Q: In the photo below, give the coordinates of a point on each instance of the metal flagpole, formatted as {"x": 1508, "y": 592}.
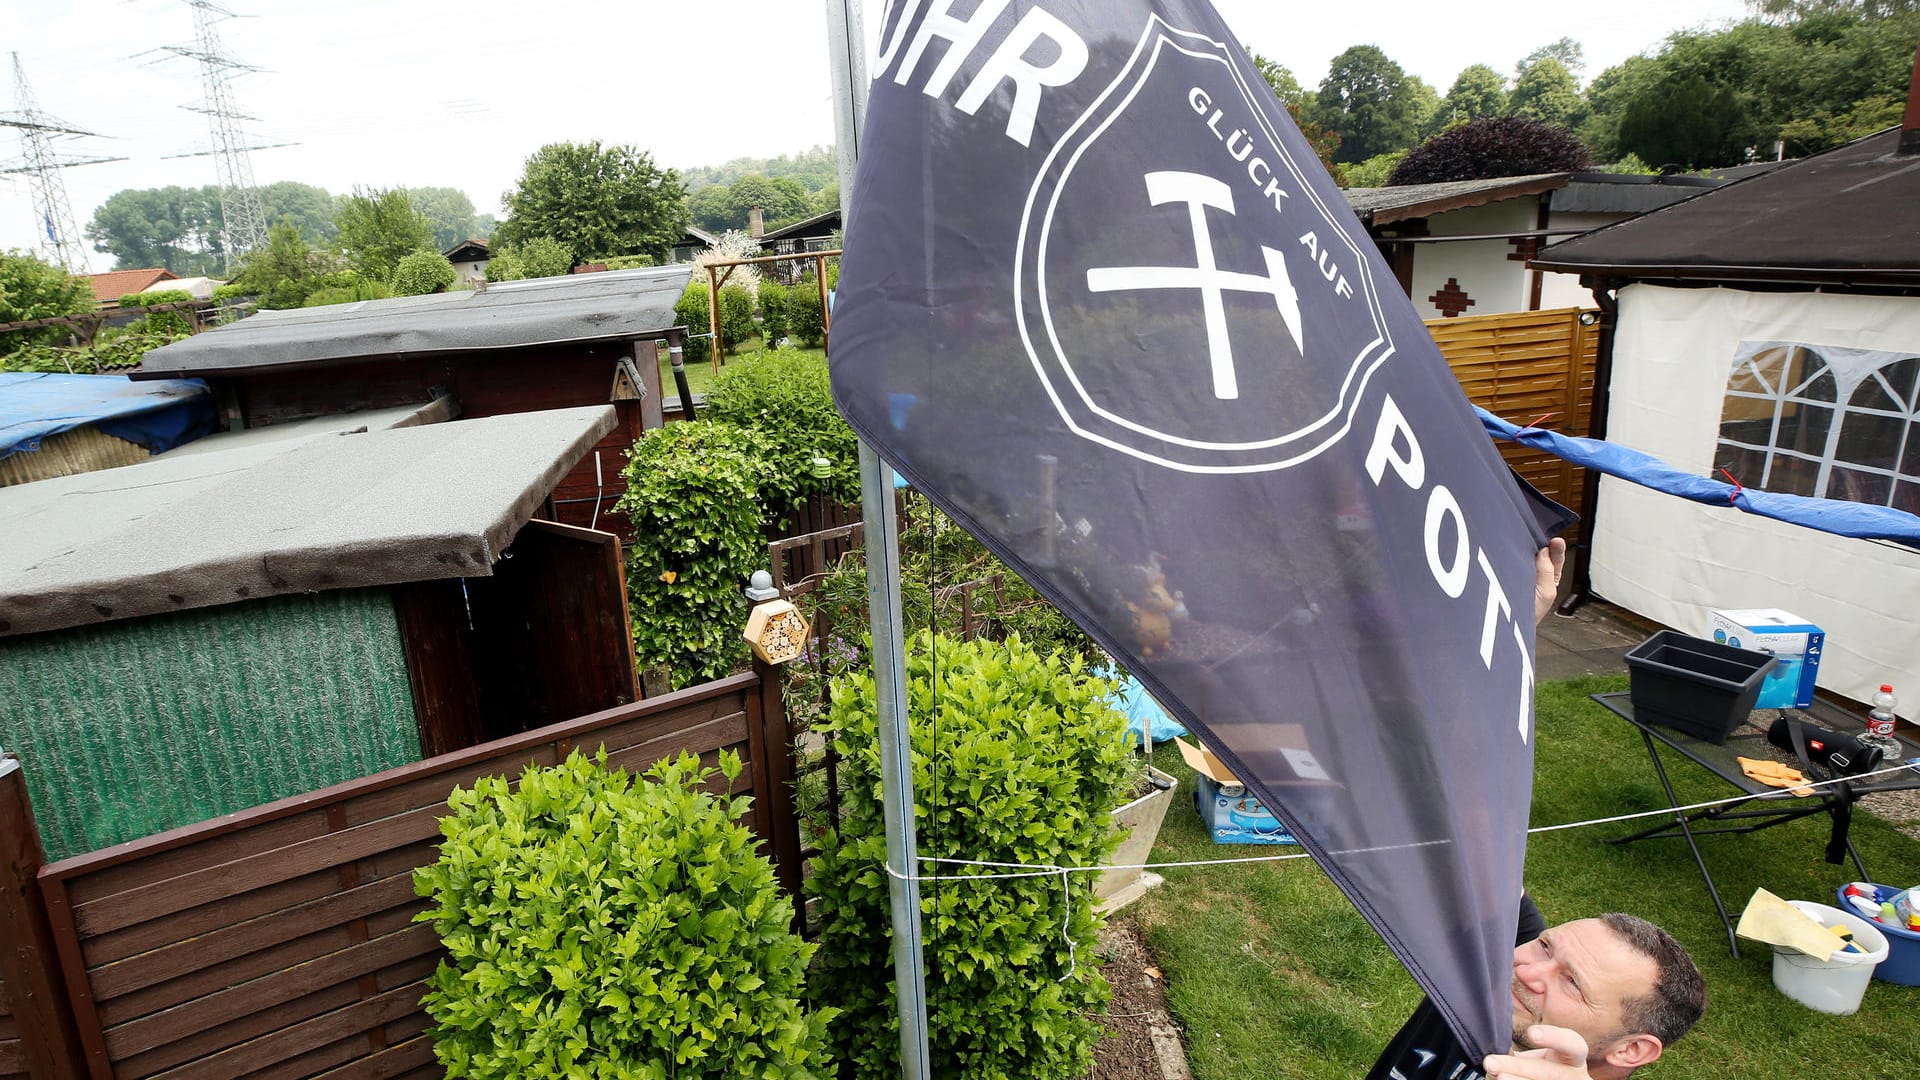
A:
{"x": 846, "y": 43}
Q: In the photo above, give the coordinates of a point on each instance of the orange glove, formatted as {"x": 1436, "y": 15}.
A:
{"x": 1774, "y": 774}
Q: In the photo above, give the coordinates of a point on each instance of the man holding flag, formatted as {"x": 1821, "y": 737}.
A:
{"x": 1104, "y": 307}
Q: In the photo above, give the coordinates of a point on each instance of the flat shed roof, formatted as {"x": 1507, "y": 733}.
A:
{"x": 337, "y": 511}
{"x": 512, "y": 314}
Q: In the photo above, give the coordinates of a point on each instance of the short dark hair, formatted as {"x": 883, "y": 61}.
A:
{"x": 1679, "y": 994}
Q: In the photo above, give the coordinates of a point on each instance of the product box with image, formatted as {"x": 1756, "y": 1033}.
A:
{"x": 1795, "y": 644}
{"x": 1230, "y": 812}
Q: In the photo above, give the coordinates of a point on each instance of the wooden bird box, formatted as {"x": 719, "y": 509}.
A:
{"x": 776, "y": 631}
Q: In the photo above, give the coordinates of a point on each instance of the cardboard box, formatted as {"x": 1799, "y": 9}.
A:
{"x": 1795, "y": 643}
{"x": 1231, "y": 815}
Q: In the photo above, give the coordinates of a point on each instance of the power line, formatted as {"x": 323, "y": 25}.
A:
{"x": 58, "y": 240}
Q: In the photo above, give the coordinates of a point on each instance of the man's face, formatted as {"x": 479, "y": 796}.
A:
{"x": 1579, "y": 975}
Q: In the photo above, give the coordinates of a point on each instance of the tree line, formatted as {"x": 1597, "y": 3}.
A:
{"x": 1808, "y": 75}
{"x": 1805, "y": 74}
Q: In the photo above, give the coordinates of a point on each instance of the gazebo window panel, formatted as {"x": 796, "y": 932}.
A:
{"x": 1828, "y": 421}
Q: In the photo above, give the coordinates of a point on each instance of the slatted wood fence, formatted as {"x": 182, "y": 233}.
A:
{"x": 1524, "y": 365}
{"x": 279, "y": 942}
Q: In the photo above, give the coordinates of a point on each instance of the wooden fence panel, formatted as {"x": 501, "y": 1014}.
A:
{"x": 1523, "y": 366}
{"x": 37, "y": 1034}
{"x": 279, "y": 942}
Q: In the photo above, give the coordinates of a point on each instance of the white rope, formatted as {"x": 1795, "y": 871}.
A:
{"x": 1029, "y": 870}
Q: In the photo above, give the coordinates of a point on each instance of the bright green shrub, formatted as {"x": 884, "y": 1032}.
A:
{"x": 774, "y": 298}
{"x": 1032, "y": 759}
{"x": 537, "y": 256}
{"x": 692, "y": 496}
{"x": 785, "y": 397}
{"x": 231, "y": 291}
{"x": 626, "y": 262}
{"x": 420, "y": 273}
{"x": 167, "y": 323}
{"x": 601, "y": 928}
{"x": 155, "y": 296}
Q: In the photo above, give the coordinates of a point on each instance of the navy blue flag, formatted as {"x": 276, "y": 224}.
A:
{"x": 1103, "y": 305}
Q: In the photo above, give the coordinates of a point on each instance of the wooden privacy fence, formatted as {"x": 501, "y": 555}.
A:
{"x": 1522, "y": 366}
{"x": 280, "y": 941}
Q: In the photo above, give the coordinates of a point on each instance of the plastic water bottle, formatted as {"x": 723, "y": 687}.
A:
{"x": 1880, "y": 723}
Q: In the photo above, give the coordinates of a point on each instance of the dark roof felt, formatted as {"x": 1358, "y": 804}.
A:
{"x": 1850, "y": 216}
{"x": 1386, "y": 205}
{"x": 512, "y": 314}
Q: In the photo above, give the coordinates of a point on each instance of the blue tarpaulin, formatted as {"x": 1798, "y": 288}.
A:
{"x": 1143, "y": 713}
{"x": 1827, "y": 515}
{"x": 158, "y": 415}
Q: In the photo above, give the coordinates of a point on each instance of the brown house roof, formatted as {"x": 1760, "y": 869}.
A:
{"x": 1850, "y": 216}
{"x": 109, "y": 287}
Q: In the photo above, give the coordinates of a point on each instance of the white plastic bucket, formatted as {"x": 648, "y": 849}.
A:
{"x": 1830, "y": 986}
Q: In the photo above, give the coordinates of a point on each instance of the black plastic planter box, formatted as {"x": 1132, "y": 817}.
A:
{"x": 1694, "y": 685}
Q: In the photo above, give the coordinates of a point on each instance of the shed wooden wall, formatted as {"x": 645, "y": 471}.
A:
{"x": 280, "y": 941}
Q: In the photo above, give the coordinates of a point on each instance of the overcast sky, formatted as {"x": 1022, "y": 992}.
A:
{"x": 409, "y": 92}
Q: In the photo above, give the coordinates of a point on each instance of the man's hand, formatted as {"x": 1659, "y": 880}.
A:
{"x": 1561, "y": 1054}
{"x": 1547, "y": 566}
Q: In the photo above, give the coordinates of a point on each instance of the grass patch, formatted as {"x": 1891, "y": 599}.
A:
{"x": 1272, "y": 973}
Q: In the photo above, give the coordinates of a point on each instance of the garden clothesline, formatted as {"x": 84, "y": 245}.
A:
{"x": 1028, "y": 870}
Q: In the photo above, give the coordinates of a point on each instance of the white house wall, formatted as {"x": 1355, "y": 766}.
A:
{"x": 1492, "y": 281}
{"x": 1673, "y": 560}
{"x": 1565, "y": 290}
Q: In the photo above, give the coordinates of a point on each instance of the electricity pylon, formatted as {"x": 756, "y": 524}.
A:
{"x": 58, "y": 240}
{"x": 244, "y": 223}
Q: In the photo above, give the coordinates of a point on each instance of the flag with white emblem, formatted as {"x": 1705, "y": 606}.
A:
{"x": 1104, "y": 306}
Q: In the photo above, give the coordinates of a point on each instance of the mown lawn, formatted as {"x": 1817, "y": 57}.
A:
{"x": 1272, "y": 974}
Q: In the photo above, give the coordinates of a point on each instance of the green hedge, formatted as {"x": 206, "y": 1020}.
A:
{"x": 1032, "y": 760}
{"x": 601, "y": 928}
{"x": 785, "y": 396}
{"x": 692, "y": 495}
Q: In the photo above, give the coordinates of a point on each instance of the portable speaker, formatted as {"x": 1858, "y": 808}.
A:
{"x": 1840, "y": 753}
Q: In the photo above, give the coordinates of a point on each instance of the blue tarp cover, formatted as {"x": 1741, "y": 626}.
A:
{"x": 158, "y": 415}
{"x": 1835, "y": 516}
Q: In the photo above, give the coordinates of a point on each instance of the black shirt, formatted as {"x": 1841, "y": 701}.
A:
{"x": 1425, "y": 1049}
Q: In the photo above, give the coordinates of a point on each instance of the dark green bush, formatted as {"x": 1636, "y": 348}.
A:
{"x": 804, "y": 323}
{"x": 692, "y": 494}
{"x": 601, "y": 928}
{"x": 785, "y": 397}
{"x": 774, "y": 300}
{"x": 736, "y": 318}
{"x": 1032, "y": 759}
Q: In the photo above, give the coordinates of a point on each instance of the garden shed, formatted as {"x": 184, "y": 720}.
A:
{"x": 55, "y": 424}
{"x": 511, "y": 347}
{"x": 1770, "y": 329}
{"x": 213, "y": 630}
